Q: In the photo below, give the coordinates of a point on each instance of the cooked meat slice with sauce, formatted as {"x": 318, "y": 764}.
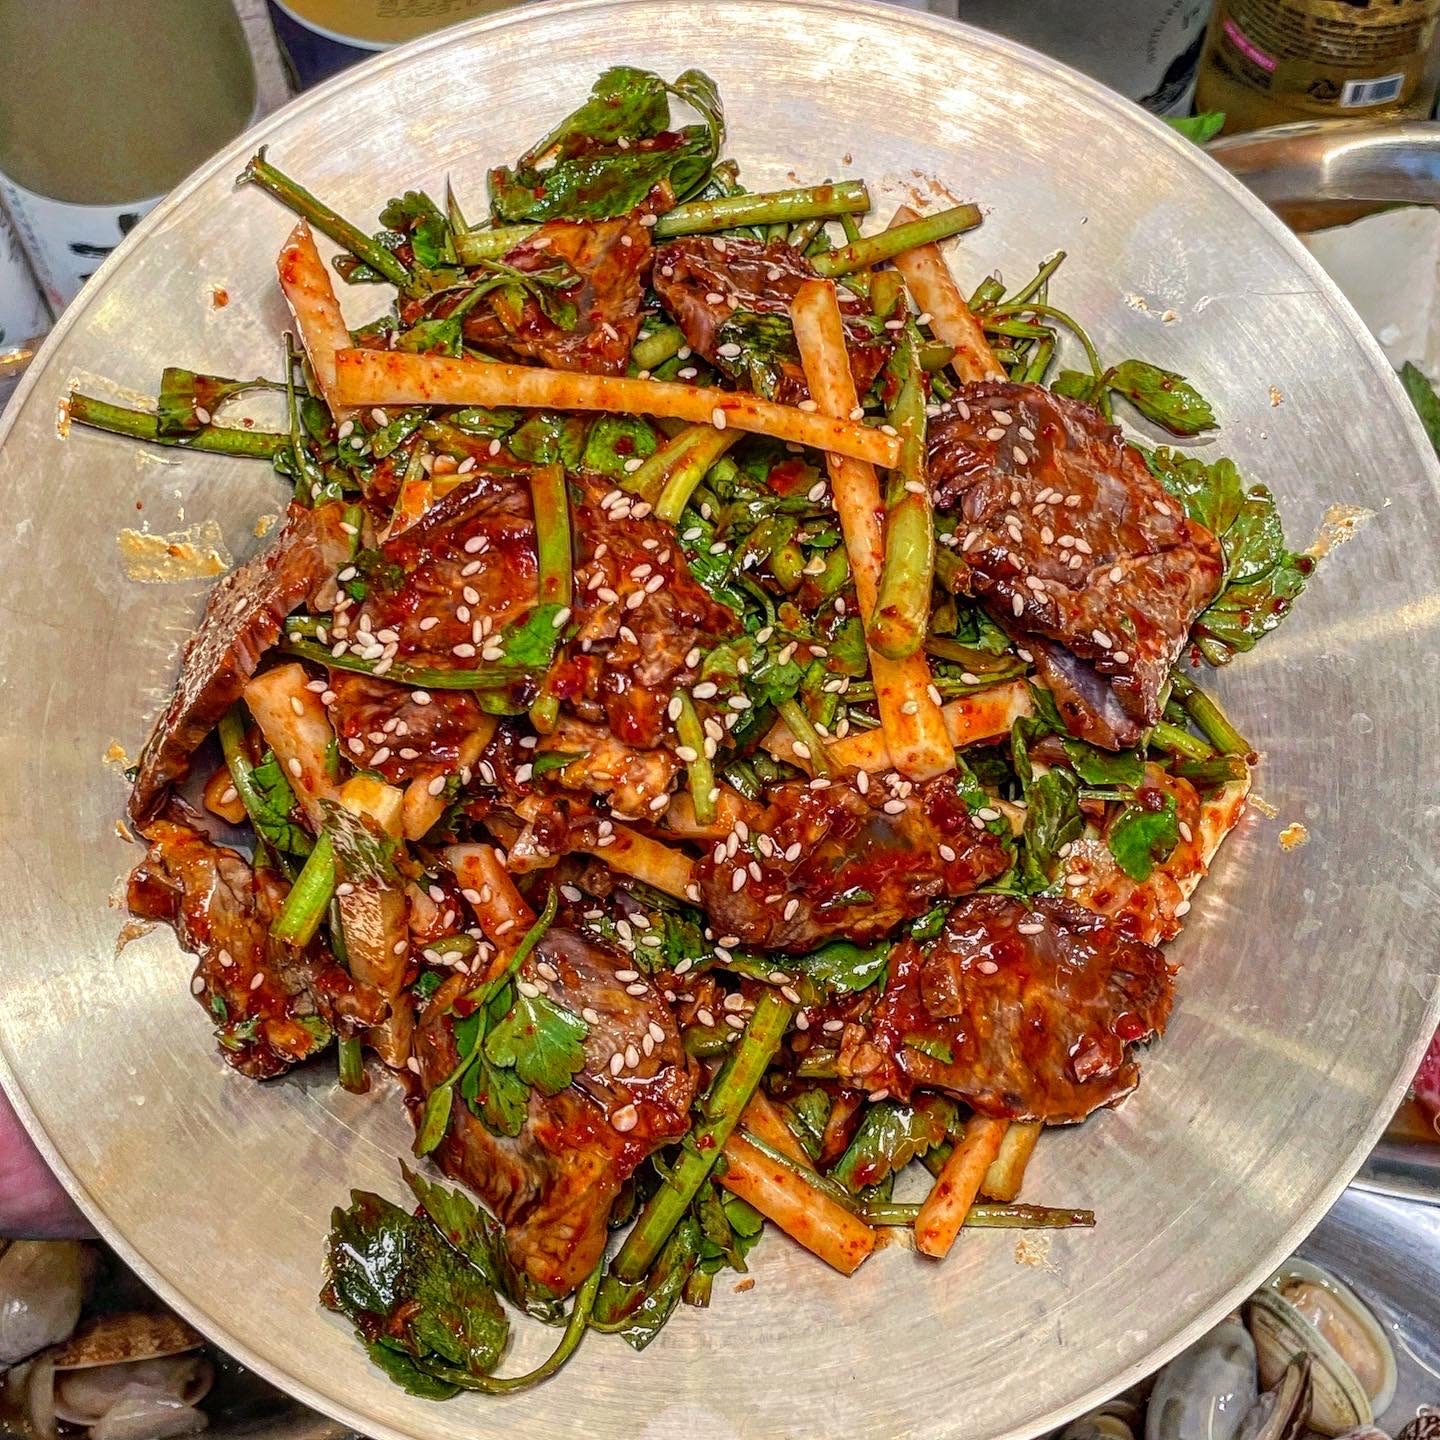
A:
{"x": 629, "y": 779}
{"x": 609, "y": 259}
{"x": 467, "y": 568}
{"x": 1152, "y": 909}
{"x": 727, "y": 291}
{"x": 1024, "y": 1012}
{"x": 381, "y": 726}
{"x": 834, "y": 863}
{"x": 274, "y": 1006}
{"x": 1067, "y": 537}
{"x": 242, "y": 620}
{"x": 553, "y": 1184}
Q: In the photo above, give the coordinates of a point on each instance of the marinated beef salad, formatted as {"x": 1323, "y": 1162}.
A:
{"x": 717, "y": 722}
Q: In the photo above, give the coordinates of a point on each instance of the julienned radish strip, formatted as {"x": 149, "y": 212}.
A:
{"x": 930, "y": 282}
{"x": 913, "y": 730}
{"x": 371, "y": 377}
{"x": 305, "y": 281}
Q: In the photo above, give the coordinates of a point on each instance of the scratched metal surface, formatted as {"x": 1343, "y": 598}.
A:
{"x": 1309, "y": 976}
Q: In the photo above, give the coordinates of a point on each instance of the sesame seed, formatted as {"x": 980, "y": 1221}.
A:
{"x": 420, "y": 697}
{"x": 738, "y": 879}
{"x": 729, "y": 350}
{"x": 717, "y": 418}
{"x": 986, "y": 967}
{"x": 1183, "y": 908}
{"x": 1029, "y": 927}
{"x": 202, "y": 414}
{"x": 632, "y": 1056}
{"x": 626, "y": 1118}
{"x": 1116, "y": 575}
{"x": 197, "y": 985}
{"x": 894, "y": 807}
{"x": 257, "y": 981}
{"x": 1121, "y": 657}
{"x": 294, "y": 766}
{"x": 995, "y": 434}
{"x": 1100, "y": 638}
{"x": 636, "y": 989}
{"x": 833, "y": 1025}
{"x": 617, "y": 1062}
{"x": 1021, "y": 457}
{"x": 1017, "y": 604}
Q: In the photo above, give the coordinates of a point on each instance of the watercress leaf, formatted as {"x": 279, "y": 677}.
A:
{"x": 1075, "y": 384}
{"x": 701, "y": 93}
{"x": 416, "y": 217}
{"x": 1211, "y": 494}
{"x": 543, "y": 1042}
{"x": 1052, "y": 816}
{"x": 843, "y": 967}
{"x": 890, "y": 1136}
{"x": 481, "y": 1239}
{"x": 549, "y": 437}
{"x": 400, "y": 1368}
{"x": 1163, "y": 396}
{"x": 529, "y": 644}
{"x": 1140, "y": 838}
{"x": 1104, "y": 767}
{"x": 432, "y": 337}
{"x": 184, "y": 394}
{"x": 625, "y": 103}
{"x": 1422, "y": 397}
{"x": 1199, "y": 128}
{"x": 273, "y": 822}
{"x": 1245, "y": 614}
{"x": 639, "y": 1312}
{"x": 391, "y": 1272}
{"x": 614, "y": 440}
{"x": 810, "y": 1113}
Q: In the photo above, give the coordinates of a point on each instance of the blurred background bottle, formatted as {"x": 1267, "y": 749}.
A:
{"x": 103, "y": 108}
{"x": 1271, "y": 61}
{"x": 1145, "y": 49}
{"x": 321, "y": 37}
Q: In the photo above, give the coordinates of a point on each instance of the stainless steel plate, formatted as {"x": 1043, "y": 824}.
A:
{"x": 1309, "y": 976}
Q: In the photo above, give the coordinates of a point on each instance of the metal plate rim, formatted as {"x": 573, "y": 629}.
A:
{"x": 1097, "y": 95}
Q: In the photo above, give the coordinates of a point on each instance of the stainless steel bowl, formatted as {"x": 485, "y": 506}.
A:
{"x": 1309, "y": 976}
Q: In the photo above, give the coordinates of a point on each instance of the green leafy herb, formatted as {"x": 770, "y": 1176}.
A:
{"x": 529, "y": 644}
{"x": 1105, "y": 767}
{"x": 542, "y": 1041}
{"x": 1052, "y": 810}
{"x": 391, "y": 1274}
{"x": 496, "y": 1094}
{"x": 809, "y": 1113}
{"x": 185, "y": 395}
{"x": 639, "y": 1312}
{"x": 1262, "y": 577}
{"x": 549, "y": 437}
{"x": 481, "y": 1239}
{"x": 892, "y": 1135}
{"x": 415, "y": 217}
{"x": 276, "y": 804}
{"x": 842, "y": 967}
{"x": 606, "y": 157}
{"x": 1162, "y": 396}
{"x": 1199, "y": 128}
{"x": 614, "y": 441}
{"x": 1423, "y": 398}
{"x": 1140, "y": 838}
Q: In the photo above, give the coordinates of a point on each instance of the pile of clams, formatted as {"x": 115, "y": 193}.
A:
{"x": 129, "y": 1374}
{"x": 1305, "y": 1357}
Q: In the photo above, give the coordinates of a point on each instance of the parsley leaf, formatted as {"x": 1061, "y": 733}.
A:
{"x": 842, "y": 967}
{"x": 1140, "y": 838}
{"x": 543, "y": 1042}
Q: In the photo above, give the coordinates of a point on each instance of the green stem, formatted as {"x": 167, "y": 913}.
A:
{"x": 1034, "y": 286}
{"x": 987, "y": 1217}
{"x": 978, "y": 662}
{"x": 802, "y": 730}
{"x": 569, "y": 1343}
{"x": 950, "y": 686}
{"x": 901, "y": 616}
{"x": 551, "y": 499}
{"x": 473, "y": 247}
{"x": 421, "y": 677}
{"x": 1040, "y": 360}
{"x": 657, "y": 347}
{"x": 827, "y": 1186}
{"x": 728, "y": 1095}
{"x": 705, "y": 445}
{"x": 810, "y": 202}
{"x": 802, "y": 234}
{"x": 987, "y": 293}
{"x": 362, "y": 246}
{"x": 1034, "y": 307}
{"x": 691, "y": 734}
{"x": 889, "y": 243}
{"x": 1208, "y": 716}
{"x": 352, "y": 1065}
{"x": 142, "y": 425}
{"x": 309, "y": 897}
{"x": 1175, "y": 741}
{"x": 859, "y": 280}
{"x": 242, "y": 771}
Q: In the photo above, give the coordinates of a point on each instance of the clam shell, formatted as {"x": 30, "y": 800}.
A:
{"x": 130, "y": 1335}
{"x": 156, "y": 1386}
{"x": 1282, "y": 1333}
{"x": 1205, "y": 1392}
{"x": 42, "y": 1286}
{"x": 1355, "y": 1315}
{"x": 1425, "y": 1426}
{"x": 1284, "y": 1412}
{"x": 1101, "y": 1424}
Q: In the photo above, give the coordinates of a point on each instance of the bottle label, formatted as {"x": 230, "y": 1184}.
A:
{"x": 378, "y": 24}
{"x": 66, "y": 243}
{"x": 22, "y": 312}
{"x": 1327, "y": 55}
